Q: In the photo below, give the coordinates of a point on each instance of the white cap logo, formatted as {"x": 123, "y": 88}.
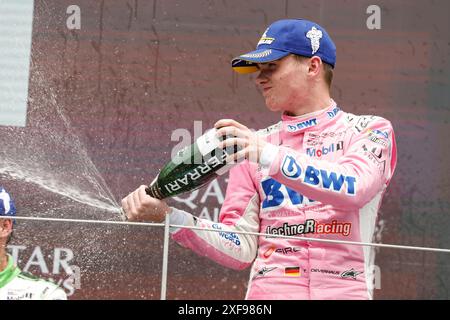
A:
{"x": 6, "y": 199}
{"x": 265, "y": 39}
{"x": 314, "y": 35}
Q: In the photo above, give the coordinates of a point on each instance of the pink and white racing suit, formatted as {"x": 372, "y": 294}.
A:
{"x": 323, "y": 176}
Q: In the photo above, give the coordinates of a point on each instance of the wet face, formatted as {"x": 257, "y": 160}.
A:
{"x": 5, "y": 231}
{"x": 283, "y": 83}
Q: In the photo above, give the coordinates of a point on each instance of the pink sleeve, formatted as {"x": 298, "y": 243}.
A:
{"x": 239, "y": 212}
{"x": 364, "y": 170}
{"x": 240, "y": 190}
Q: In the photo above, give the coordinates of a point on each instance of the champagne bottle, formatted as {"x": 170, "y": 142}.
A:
{"x": 192, "y": 167}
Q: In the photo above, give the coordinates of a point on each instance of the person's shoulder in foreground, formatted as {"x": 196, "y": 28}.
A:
{"x": 15, "y": 284}
{"x": 18, "y": 285}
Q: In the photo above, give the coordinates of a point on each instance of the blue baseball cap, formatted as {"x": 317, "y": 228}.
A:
{"x": 7, "y": 206}
{"x": 283, "y": 37}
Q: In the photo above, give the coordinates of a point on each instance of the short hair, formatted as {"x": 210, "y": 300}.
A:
{"x": 327, "y": 68}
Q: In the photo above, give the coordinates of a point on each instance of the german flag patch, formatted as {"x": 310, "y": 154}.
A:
{"x": 292, "y": 271}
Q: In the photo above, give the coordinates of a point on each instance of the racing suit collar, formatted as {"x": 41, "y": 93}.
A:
{"x": 9, "y": 273}
{"x": 314, "y": 120}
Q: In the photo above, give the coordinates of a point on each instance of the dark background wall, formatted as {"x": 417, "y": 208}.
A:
{"x": 105, "y": 99}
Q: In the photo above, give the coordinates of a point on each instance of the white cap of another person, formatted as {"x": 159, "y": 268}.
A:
{"x": 7, "y": 206}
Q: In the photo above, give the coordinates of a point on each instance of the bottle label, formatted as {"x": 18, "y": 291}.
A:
{"x": 196, "y": 176}
{"x": 193, "y": 167}
{"x": 208, "y": 142}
